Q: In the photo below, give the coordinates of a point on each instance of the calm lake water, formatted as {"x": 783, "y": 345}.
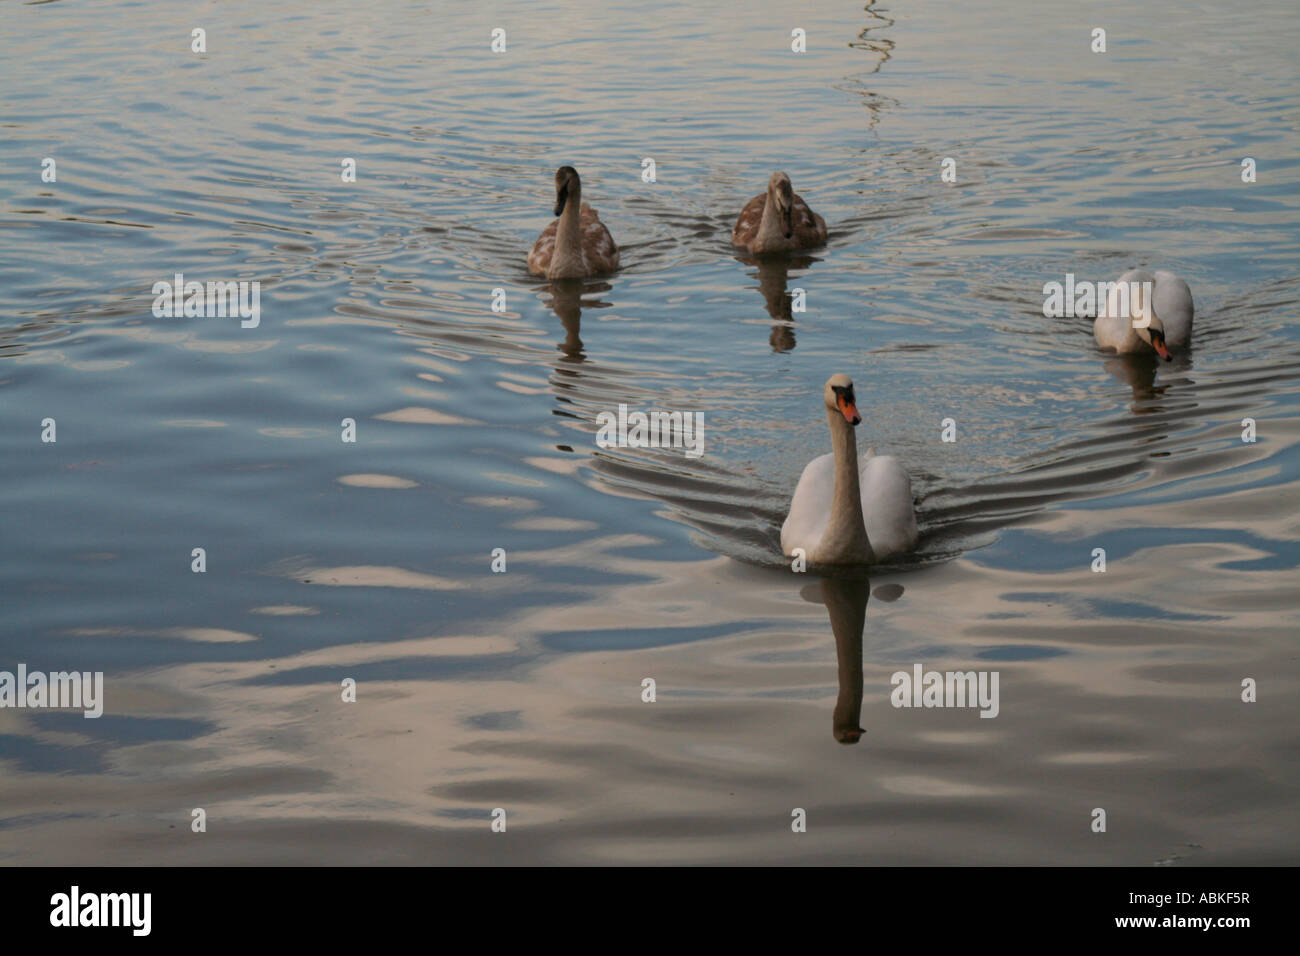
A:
{"x": 475, "y": 430}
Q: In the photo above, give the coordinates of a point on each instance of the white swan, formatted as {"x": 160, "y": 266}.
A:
{"x": 1126, "y": 330}
{"x": 577, "y": 244}
{"x": 848, "y": 510}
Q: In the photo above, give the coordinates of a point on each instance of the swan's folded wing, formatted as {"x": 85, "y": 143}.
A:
{"x": 887, "y": 507}
{"x": 597, "y": 243}
{"x": 1113, "y": 327}
{"x": 810, "y": 508}
{"x": 1113, "y": 332}
{"x": 1172, "y": 301}
{"x": 806, "y": 222}
{"x": 746, "y": 228}
{"x": 539, "y": 260}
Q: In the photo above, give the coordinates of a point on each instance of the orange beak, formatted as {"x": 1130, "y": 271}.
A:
{"x": 848, "y": 410}
{"x": 1161, "y": 349}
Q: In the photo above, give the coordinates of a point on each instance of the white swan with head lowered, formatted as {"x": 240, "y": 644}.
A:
{"x": 1131, "y": 329}
{"x": 849, "y": 509}
{"x": 577, "y": 244}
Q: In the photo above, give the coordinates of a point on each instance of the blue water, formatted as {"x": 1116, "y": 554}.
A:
{"x": 476, "y": 431}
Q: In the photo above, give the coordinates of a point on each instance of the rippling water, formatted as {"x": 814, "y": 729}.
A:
{"x": 476, "y": 431}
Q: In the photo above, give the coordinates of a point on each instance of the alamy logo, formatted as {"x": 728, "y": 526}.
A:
{"x": 103, "y": 909}
{"x": 215, "y": 300}
{"x": 952, "y": 689}
{"x": 60, "y": 689}
{"x": 656, "y": 429}
{"x": 1085, "y": 299}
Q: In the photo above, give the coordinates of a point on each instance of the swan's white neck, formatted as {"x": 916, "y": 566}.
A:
{"x": 845, "y": 538}
{"x": 566, "y": 260}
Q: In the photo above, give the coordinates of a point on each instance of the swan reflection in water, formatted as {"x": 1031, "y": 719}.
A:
{"x": 773, "y": 280}
{"x": 846, "y": 598}
{"x": 1139, "y": 372}
{"x": 565, "y": 298}
{"x": 566, "y": 301}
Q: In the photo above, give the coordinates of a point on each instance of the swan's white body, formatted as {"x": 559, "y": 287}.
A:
{"x": 886, "y": 500}
{"x": 849, "y": 509}
{"x": 1171, "y": 307}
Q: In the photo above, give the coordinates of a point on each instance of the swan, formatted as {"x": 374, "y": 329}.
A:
{"x": 577, "y": 244}
{"x": 778, "y": 220}
{"x": 1171, "y": 315}
{"x": 846, "y": 509}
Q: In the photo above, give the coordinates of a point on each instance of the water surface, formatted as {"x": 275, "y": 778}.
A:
{"x": 476, "y": 431}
